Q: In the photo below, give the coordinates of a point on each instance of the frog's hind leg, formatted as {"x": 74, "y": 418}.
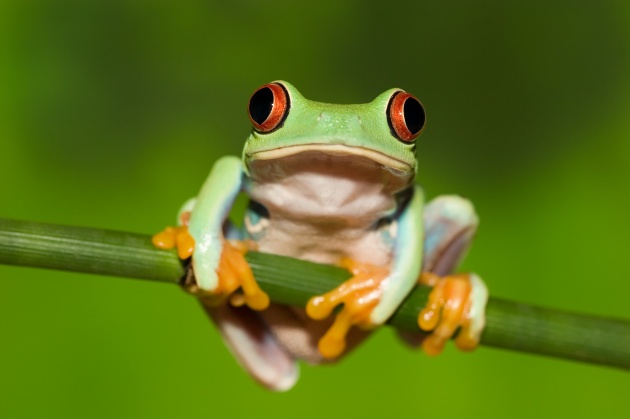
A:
{"x": 243, "y": 330}
{"x": 300, "y": 334}
{"x": 450, "y": 225}
{"x": 269, "y": 343}
{"x": 253, "y": 344}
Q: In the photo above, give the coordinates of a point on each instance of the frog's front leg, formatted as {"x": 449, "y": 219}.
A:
{"x": 457, "y": 301}
{"x": 371, "y": 296}
{"x": 219, "y": 264}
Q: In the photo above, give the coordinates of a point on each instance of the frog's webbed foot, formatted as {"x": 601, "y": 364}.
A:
{"x": 457, "y": 302}
{"x": 236, "y": 281}
{"x": 176, "y": 237}
{"x": 233, "y": 271}
{"x": 359, "y": 295}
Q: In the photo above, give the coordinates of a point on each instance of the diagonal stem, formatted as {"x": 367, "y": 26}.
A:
{"x": 510, "y": 325}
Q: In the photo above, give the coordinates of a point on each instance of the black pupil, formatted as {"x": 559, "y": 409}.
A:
{"x": 414, "y": 115}
{"x": 260, "y": 105}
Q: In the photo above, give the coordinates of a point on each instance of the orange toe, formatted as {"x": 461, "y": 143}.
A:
{"x": 185, "y": 243}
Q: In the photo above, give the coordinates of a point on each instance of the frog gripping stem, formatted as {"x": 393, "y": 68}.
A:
{"x": 456, "y": 302}
{"x": 175, "y": 237}
{"x": 359, "y": 295}
{"x": 233, "y": 270}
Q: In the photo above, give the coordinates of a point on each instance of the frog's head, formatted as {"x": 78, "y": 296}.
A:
{"x": 383, "y": 131}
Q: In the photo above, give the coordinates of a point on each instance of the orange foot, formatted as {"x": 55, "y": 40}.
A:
{"x": 451, "y": 306}
{"x": 359, "y": 295}
{"x": 233, "y": 271}
{"x": 179, "y": 237}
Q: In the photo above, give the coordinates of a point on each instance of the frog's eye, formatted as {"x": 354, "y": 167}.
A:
{"x": 268, "y": 107}
{"x": 405, "y": 115}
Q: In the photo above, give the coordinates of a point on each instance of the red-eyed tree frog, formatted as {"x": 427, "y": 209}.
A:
{"x": 330, "y": 184}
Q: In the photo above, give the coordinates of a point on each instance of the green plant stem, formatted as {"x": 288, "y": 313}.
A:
{"x": 510, "y": 325}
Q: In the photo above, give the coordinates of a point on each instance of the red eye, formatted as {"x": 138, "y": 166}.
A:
{"x": 406, "y": 116}
{"x": 268, "y": 107}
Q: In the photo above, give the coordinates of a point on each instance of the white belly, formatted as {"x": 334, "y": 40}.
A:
{"x": 322, "y": 207}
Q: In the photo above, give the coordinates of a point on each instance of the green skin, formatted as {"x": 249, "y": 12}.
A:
{"x": 336, "y": 183}
{"x": 361, "y": 130}
{"x": 362, "y": 125}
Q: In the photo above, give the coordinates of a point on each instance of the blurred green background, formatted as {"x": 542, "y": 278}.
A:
{"x": 112, "y": 113}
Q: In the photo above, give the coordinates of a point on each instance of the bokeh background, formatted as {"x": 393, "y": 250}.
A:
{"x": 112, "y": 113}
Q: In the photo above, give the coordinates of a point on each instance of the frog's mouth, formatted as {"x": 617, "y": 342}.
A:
{"x": 335, "y": 150}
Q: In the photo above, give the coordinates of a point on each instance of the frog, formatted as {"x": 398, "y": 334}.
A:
{"x": 331, "y": 184}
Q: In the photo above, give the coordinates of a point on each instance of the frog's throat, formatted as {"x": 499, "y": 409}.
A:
{"x": 335, "y": 150}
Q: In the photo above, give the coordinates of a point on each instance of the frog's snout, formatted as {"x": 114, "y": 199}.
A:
{"x": 347, "y": 117}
